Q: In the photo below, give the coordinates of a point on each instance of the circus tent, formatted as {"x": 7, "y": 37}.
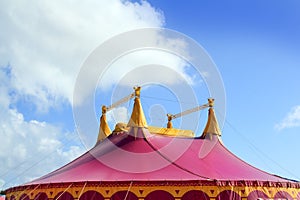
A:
{"x": 136, "y": 161}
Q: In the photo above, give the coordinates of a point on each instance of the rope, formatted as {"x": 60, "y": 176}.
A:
{"x": 23, "y": 192}
{"x": 44, "y": 157}
{"x": 121, "y": 101}
{"x": 169, "y": 100}
{"x": 190, "y": 111}
{"x": 128, "y": 190}
{"x": 13, "y": 168}
{"x": 30, "y": 191}
{"x": 82, "y": 190}
{"x": 64, "y": 191}
{"x": 251, "y": 144}
{"x": 173, "y": 163}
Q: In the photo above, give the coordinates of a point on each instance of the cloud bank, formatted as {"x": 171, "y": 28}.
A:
{"x": 42, "y": 46}
{"x": 46, "y": 42}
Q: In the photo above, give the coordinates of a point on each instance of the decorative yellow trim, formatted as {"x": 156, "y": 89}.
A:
{"x": 121, "y": 127}
{"x": 171, "y": 131}
{"x": 142, "y": 190}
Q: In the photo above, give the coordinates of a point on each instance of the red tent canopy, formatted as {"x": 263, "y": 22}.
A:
{"x": 139, "y": 162}
{"x": 123, "y": 157}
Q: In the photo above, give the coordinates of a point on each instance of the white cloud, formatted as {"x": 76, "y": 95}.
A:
{"x": 29, "y": 148}
{"x": 46, "y": 42}
{"x": 119, "y": 114}
{"x": 292, "y": 119}
{"x": 135, "y": 68}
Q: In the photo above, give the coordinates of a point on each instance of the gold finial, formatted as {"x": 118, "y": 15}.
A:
{"x": 211, "y": 102}
{"x": 104, "y": 109}
{"x": 137, "y": 90}
{"x": 137, "y": 118}
{"x": 170, "y": 117}
{"x": 212, "y": 126}
{"x": 104, "y": 129}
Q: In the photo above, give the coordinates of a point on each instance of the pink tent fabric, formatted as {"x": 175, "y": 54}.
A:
{"x": 123, "y": 157}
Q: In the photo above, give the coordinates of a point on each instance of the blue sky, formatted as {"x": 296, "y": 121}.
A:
{"x": 254, "y": 44}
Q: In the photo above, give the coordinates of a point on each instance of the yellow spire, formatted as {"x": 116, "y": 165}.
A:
{"x": 170, "y": 117}
{"x": 137, "y": 118}
{"x": 104, "y": 129}
{"x": 212, "y": 126}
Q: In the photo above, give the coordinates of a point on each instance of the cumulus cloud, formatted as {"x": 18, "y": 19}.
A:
{"x": 29, "y": 148}
{"x": 119, "y": 114}
{"x": 46, "y": 42}
{"x": 292, "y": 119}
{"x": 135, "y": 68}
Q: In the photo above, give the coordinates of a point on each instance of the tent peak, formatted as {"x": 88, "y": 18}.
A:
{"x": 211, "y": 102}
{"x": 212, "y": 126}
{"x": 137, "y": 118}
{"x": 104, "y": 129}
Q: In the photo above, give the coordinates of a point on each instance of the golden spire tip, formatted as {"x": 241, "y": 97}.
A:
{"x": 212, "y": 126}
{"x": 104, "y": 109}
{"x": 137, "y": 118}
{"x": 137, "y": 91}
{"x": 170, "y": 117}
{"x": 211, "y": 102}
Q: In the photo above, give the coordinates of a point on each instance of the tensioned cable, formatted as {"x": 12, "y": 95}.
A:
{"x": 82, "y": 190}
{"x": 27, "y": 169}
{"x": 250, "y": 144}
{"x": 23, "y": 192}
{"x": 35, "y": 188}
{"x": 169, "y": 100}
{"x": 166, "y": 158}
{"x": 44, "y": 157}
{"x": 66, "y": 143}
{"x": 15, "y": 167}
{"x": 26, "y": 161}
{"x": 173, "y": 163}
{"x": 257, "y": 149}
{"x": 147, "y": 105}
{"x": 128, "y": 190}
{"x": 37, "y": 162}
{"x": 64, "y": 191}
{"x": 164, "y": 99}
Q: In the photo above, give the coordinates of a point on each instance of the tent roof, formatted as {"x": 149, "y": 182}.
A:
{"x": 123, "y": 157}
{"x": 136, "y": 154}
